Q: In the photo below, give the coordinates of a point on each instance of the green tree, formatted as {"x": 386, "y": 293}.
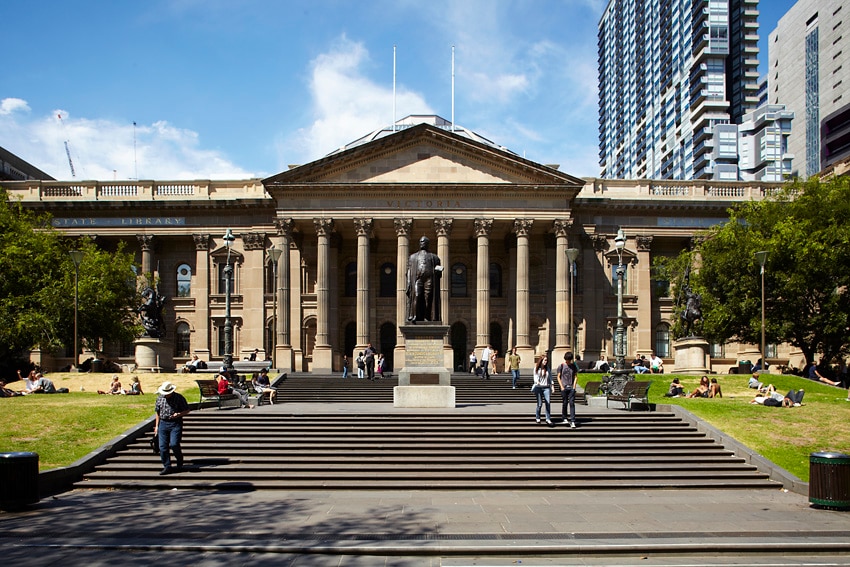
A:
{"x": 805, "y": 232}
{"x": 37, "y": 286}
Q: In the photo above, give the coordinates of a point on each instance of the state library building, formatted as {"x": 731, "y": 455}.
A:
{"x": 346, "y": 224}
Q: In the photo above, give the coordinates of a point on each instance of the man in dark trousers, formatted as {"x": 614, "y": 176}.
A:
{"x": 567, "y": 381}
{"x": 170, "y": 409}
{"x": 369, "y": 358}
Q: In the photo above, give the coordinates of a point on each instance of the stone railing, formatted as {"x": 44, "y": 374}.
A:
{"x": 669, "y": 189}
{"x": 34, "y": 190}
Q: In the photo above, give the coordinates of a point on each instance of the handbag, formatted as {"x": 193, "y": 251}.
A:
{"x": 154, "y": 443}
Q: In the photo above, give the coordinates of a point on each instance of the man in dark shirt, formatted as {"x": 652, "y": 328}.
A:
{"x": 170, "y": 409}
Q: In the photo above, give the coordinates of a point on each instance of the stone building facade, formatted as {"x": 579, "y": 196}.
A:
{"x": 346, "y": 224}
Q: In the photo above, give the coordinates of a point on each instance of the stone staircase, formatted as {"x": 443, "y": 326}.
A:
{"x": 285, "y": 447}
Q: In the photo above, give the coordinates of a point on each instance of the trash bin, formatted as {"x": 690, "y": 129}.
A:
{"x": 829, "y": 481}
{"x": 97, "y": 365}
{"x": 745, "y": 367}
{"x": 18, "y": 480}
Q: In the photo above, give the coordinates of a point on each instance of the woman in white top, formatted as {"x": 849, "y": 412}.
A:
{"x": 542, "y": 387}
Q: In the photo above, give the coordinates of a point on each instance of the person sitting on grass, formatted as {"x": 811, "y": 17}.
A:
{"x": 676, "y": 389}
{"x": 794, "y": 398}
{"x": 702, "y": 390}
{"x": 754, "y": 382}
{"x": 714, "y": 389}
{"x": 135, "y": 387}
{"x": 114, "y": 387}
{"x": 8, "y": 392}
{"x": 814, "y": 374}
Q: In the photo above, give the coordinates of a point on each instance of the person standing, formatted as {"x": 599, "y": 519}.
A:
{"x": 380, "y": 368}
{"x": 170, "y": 409}
{"x": 485, "y": 362}
{"x": 567, "y": 381}
{"x": 543, "y": 388}
{"x": 344, "y": 366}
{"x": 369, "y": 360}
{"x": 473, "y": 362}
{"x": 361, "y": 366}
{"x": 513, "y": 363}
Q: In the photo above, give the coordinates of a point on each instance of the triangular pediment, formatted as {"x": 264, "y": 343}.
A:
{"x": 423, "y": 154}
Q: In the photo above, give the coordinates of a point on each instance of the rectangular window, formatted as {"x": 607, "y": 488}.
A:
{"x": 812, "y": 105}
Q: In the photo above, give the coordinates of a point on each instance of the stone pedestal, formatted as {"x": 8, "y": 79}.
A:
{"x": 154, "y": 355}
{"x": 691, "y": 356}
{"x": 424, "y": 382}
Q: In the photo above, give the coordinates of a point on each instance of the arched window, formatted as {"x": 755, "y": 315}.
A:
{"x": 459, "y": 280}
{"x": 662, "y": 340}
{"x": 184, "y": 280}
{"x": 388, "y": 273}
{"x": 351, "y": 279}
{"x": 495, "y": 280}
{"x": 182, "y": 344}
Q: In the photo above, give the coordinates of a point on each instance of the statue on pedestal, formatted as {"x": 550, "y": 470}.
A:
{"x": 150, "y": 312}
{"x": 423, "y": 284}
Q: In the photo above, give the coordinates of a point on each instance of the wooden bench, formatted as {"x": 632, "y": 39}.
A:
{"x": 251, "y": 366}
{"x": 209, "y": 392}
{"x": 632, "y": 392}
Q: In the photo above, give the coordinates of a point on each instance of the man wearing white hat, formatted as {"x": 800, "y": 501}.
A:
{"x": 170, "y": 409}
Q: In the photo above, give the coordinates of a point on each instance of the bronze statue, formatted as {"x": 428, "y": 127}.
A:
{"x": 423, "y": 284}
{"x": 150, "y": 311}
{"x": 692, "y": 305}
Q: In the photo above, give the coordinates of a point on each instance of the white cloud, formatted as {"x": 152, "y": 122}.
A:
{"x": 346, "y": 103}
{"x": 10, "y": 105}
{"x": 105, "y": 150}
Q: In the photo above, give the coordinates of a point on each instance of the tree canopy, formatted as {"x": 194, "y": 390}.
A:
{"x": 37, "y": 286}
{"x": 805, "y": 231}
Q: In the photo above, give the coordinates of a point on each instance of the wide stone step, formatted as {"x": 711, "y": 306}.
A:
{"x": 271, "y": 450}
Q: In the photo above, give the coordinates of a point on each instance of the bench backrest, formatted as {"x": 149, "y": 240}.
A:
{"x": 592, "y": 388}
{"x": 209, "y": 388}
{"x": 636, "y": 389}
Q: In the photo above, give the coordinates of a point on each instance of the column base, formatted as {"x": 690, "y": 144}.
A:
{"x": 322, "y": 360}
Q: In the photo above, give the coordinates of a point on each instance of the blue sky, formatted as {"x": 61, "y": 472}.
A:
{"x": 244, "y": 88}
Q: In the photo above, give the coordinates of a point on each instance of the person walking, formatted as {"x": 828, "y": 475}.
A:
{"x": 513, "y": 363}
{"x": 485, "y": 362}
{"x": 542, "y": 388}
{"x": 170, "y": 409}
{"x": 567, "y": 381}
{"x": 473, "y": 362}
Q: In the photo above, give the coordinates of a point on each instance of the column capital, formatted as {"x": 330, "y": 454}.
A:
{"x": 402, "y": 226}
{"x": 522, "y": 227}
{"x": 202, "y": 241}
{"x": 145, "y": 242}
{"x": 284, "y": 227}
{"x": 483, "y": 227}
{"x": 443, "y": 226}
{"x": 324, "y": 226}
{"x": 600, "y": 242}
{"x": 561, "y": 227}
{"x": 254, "y": 240}
{"x": 644, "y": 242}
{"x": 363, "y": 227}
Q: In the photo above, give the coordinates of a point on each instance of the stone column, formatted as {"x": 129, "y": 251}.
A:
{"x": 522, "y": 228}
{"x": 201, "y": 281}
{"x": 642, "y": 287}
{"x": 482, "y": 304}
{"x": 322, "y": 354}
{"x": 283, "y": 343}
{"x": 253, "y": 299}
{"x": 563, "y": 340}
{"x": 597, "y": 285}
{"x": 402, "y": 231}
{"x": 363, "y": 227}
{"x": 146, "y": 245}
{"x": 443, "y": 228}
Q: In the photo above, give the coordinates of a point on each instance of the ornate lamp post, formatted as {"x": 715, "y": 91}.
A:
{"x": 274, "y": 254}
{"x": 762, "y": 258}
{"x": 572, "y": 254}
{"x": 77, "y": 258}
{"x": 620, "y": 329}
{"x": 228, "y": 324}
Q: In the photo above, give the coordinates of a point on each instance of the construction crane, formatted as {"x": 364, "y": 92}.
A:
{"x": 67, "y": 149}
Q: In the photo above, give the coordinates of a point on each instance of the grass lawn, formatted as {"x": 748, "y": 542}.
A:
{"x": 64, "y": 427}
{"x": 785, "y": 436}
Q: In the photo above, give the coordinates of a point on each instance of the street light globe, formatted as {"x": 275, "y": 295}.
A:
{"x": 620, "y": 240}
{"x": 229, "y": 238}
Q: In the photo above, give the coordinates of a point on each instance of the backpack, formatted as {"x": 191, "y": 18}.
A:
{"x": 360, "y": 363}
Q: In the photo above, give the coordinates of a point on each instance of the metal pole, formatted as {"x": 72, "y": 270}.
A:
{"x": 572, "y": 254}
{"x": 275, "y": 254}
{"x": 762, "y": 259}
{"x": 228, "y": 324}
{"x": 77, "y": 258}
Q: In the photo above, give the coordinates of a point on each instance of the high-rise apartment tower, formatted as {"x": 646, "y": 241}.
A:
{"x": 669, "y": 72}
